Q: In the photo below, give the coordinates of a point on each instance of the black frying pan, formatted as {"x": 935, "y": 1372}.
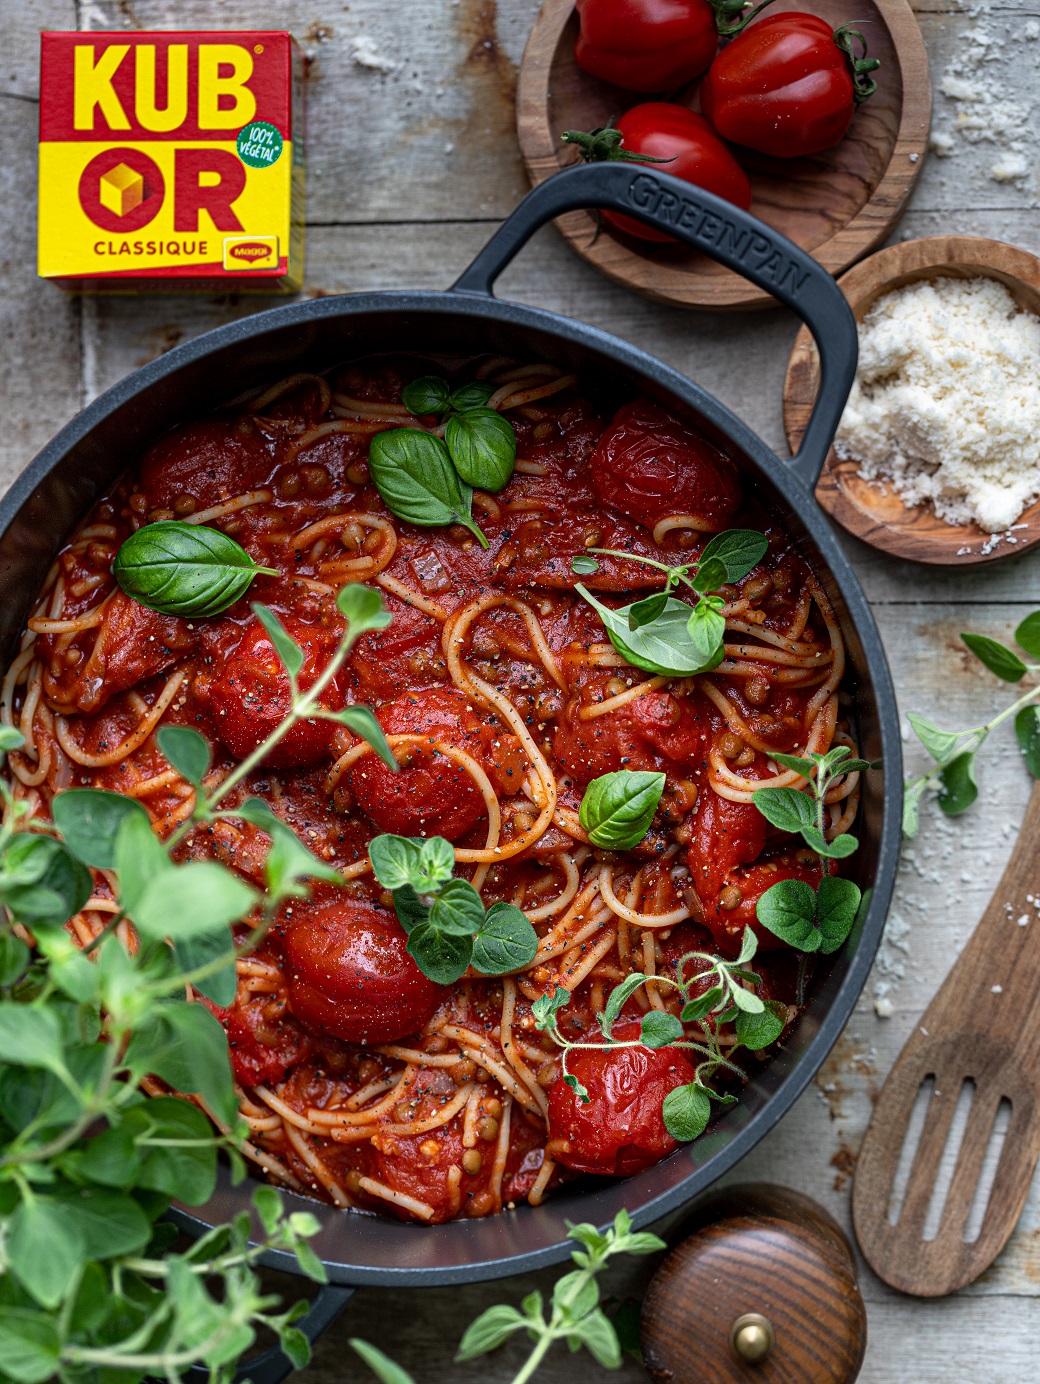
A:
{"x": 56, "y": 489}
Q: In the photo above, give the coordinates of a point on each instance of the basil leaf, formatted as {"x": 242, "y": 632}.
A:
{"x": 998, "y": 659}
{"x": 41, "y": 881}
{"x": 89, "y": 819}
{"x": 582, "y": 565}
{"x": 414, "y": 474}
{"x": 787, "y": 809}
{"x": 457, "y": 909}
{"x": 285, "y": 647}
{"x": 617, "y": 809}
{"x": 686, "y": 1111}
{"x": 184, "y": 569}
{"x": 186, "y": 750}
{"x": 483, "y": 447}
{"x": 959, "y": 789}
{"x": 1027, "y": 636}
{"x": 1027, "y": 733}
{"x": 442, "y": 956}
{"x": 937, "y": 742}
{"x": 663, "y": 646}
{"x": 428, "y": 394}
{"x": 758, "y": 1031}
{"x": 710, "y": 575}
{"x": 659, "y": 1029}
{"x": 505, "y": 941}
{"x": 788, "y": 911}
{"x": 837, "y": 902}
{"x": 738, "y": 549}
{"x": 649, "y": 608}
{"x": 471, "y": 396}
{"x": 706, "y": 627}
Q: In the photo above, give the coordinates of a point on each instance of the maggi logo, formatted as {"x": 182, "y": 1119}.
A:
{"x": 223, "y": 70}
{"x": 250, "y": 250}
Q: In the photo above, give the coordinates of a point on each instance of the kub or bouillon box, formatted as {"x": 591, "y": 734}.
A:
{"x": 171, "y": 160}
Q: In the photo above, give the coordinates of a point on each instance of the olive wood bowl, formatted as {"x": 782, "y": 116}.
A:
{"x": 869, "y": 509}
{"x": 837, "y": 205}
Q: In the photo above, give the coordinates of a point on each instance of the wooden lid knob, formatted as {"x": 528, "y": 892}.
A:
{"x": 763, "y": 1291}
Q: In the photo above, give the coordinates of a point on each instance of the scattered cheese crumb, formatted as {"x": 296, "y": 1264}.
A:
{"x": 884, "y": 1008}
{"x": 945, "y": 406}
{"x": 365, "y": 54}
{"x": 997, "y": 989}
{"x": 1009, "y": 168}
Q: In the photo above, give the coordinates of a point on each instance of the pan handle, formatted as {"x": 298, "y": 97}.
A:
{"x": 273, "y": 1366}
{"x": 724, "y": 232}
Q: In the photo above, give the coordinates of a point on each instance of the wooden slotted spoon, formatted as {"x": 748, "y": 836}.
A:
{"x": 982, "y": 1027}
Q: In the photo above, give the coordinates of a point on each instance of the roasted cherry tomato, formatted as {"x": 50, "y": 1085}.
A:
{"x": 787, "y": 86}
{"x": 251, "y": 695}
{"x": 646, "y": 45}
{"x": 262, "y": 1046}
{"x": 648, "y": 465}
{"x": 671, "y": 137}
{"x": 349, "y": 972}
{"x": 620, "y": 1130}
{"x": 430, "y": 795}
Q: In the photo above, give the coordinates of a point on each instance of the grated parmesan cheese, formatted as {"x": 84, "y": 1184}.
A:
{"x": 946, "y": 403}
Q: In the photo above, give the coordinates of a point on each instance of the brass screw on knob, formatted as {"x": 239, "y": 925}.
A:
{"x": 752, "y": 1337}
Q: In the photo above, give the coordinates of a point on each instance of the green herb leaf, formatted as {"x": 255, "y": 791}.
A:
{"x": 1027, "y": 733}
{"x": 384, "y": 1369}
{"x": 659, "y": 1028}
{"x": 395, "y": 862}
{"x": 795, "y": 762}
{"x": 14, "y": 958}
{"x": 41, "y": 880}
{"x": 663, "y": 646}
{"x": 172, "y": 1141}
{"x": 788, "y": 910}
{"x": 706, "y": 627}
{"x": 686, "y": 1111}
{"x": 709, "y": 575}
{"x": 286, "y": 648}
{"x": 89, "y": 820}
{"x": 139, "y": 859}
{"x": 186, "y": 750}
{"x": 546, "y": 1007}
{"x": 738, "y": 549}
{"x": 362, "y": 608}
{"x": 184, "y": 569}
{"x": 617, "y": 1000}
{"x": 758, "y": 1031}
{"x": 746, "y": 1001}
{"x": 912, "y": 807}
{"x": 1027, "y": 636}
{"x": 938, "y": 742}
{"x": 426, "y": 395}
{"x": 191, "y": 900}
{"x": 569, "y": 1079}
{"x": 361, "y": 720}
{"x": 840, "y": 848}
{"x": 649, "y": 608}
{"x": 584, "y": 565}
{"x": 482, "y": 445}
{"x": 414, "y": 473}
{"x": 30, "y": 1036}
{"x": 442, "y": 956}
{"x": 10, "y": 739}
{"x": 29, "y": 1345}
{"x": 192, "y": 953}
{"x": 582, "y": 1291}
{"x": 457, "y": 909}
{"x": 489, "y": 1330}
{"x": 505, "y": 941}
{"x": 185, "y": 1045}
{"x": 837, "y": 903}
{"x": 288, "y": 861}
{"x": 998, "y": 659}
{"x": 411, "y": 911}
{"x": 959, "y": 789}
{"x": 617, "y": 809}
{"x": 596, "y": 1333}
{"x": 110, "y": 1223}
{"x": 703, "y": 1005}
{"x": 45, "y": 1250}
{"x": 787, "y": 809}
{"x": 473, "y": 395}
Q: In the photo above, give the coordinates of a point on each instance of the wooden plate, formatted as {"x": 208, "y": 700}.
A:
{"x": 865, "y": 508}
{"x": 837, "y": 205}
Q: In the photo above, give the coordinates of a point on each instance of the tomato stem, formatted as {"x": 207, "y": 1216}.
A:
{"x": 730, "y": 16}
{"x": 862, "y": 85}
{"x": 604, "y": 146}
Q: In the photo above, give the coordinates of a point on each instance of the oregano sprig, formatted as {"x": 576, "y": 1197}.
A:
{"x": 954, "y": 751}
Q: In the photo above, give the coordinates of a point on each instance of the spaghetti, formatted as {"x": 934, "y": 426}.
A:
{"x": 501, "y": 697}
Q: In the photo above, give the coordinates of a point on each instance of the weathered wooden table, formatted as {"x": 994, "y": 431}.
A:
{"x": 411, "y": 163}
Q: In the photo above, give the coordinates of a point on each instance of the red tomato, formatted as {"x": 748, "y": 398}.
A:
{"x": 649, "y": 465}
{"x": 646, "y": 45}
{"x": 250, "y": 696}
{"x": 620, "y": 1131}
{"x": 209, "y": 461}
{"x": 655, "y": 732}
{"x": 787, "y": 86}
{"x": 349, "y": 973}
{"x": 678, "y": 141}
{"x": 262, "y": 1049}
{"x": 430, "y": 795}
